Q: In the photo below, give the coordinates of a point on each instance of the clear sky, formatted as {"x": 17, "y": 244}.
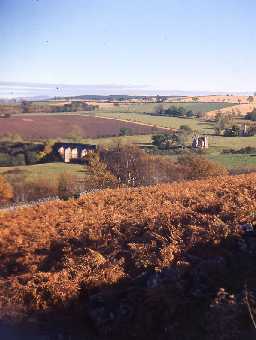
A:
{"x": 164, "y": 44}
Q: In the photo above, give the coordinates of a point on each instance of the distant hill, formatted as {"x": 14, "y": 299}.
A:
{"x": 116, "y": 97}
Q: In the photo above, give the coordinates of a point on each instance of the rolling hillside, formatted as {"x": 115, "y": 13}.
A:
{"x": 136, "y": 263}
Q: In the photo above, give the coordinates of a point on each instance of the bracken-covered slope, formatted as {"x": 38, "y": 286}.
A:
{"x": 169, "y": 261}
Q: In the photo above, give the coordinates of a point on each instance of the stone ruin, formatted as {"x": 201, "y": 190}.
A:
{"x": 200, "y": 142}
{"x": 73, "y": 152}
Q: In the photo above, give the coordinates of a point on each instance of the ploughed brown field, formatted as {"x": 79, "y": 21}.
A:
{"x": 42, "y": 127}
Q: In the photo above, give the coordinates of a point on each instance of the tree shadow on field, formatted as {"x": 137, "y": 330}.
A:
{"x": 200, "y": 296}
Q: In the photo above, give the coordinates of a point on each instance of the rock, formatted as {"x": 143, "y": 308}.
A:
{"x": 247, "y": 227}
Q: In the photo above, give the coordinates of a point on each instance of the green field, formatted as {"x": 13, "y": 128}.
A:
{"x": 140, "y": 139}
{"x": 229, "y": 161}
{"x": 160, "y": 121}
{"x": 216, "y": 143}
{"x": 234, "y": 161}
{"x": 47, "y": 170}
{"x": 53, "y": 170}
{"x": 135, "y": 114}
{"x": 150, "y": 107}
{"x": 220, "y": 142}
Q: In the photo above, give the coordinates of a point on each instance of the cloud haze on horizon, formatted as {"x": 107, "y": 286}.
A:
{"x": 10, "y": 90}
{"x": 167, "y": 45}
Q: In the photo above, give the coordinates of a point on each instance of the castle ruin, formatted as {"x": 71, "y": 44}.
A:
{"x": 73, "y": 152}
{"x": 200, "y": 142}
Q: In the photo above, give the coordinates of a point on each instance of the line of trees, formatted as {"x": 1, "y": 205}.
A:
{"x": 17, "y": 152}
{"x": 225, "y": 125}
{"x": 29, "y": 107}
{"x": 173, "y": 111}
{"x": 134, "y": 167}
{"x": 251, "y": 115}
{"x": 74, "y": 106}
{"x": 166, "y": 141}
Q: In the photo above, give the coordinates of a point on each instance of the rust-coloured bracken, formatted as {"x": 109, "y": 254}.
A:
{"x": 148, "y": 262}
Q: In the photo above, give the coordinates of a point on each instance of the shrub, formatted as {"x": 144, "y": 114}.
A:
{"x": 251, "y": 115}
{"x": 47, "y": 153}
{"x": 18, "y": 159}
{"x": 66, "y": 186}
{"x": 245, "y": 150}
{"x": 196, "y": 167}
{"x": 125, "y": 131}
{"x": 186, "y": 129}
{"x": 6, "y": 192}
{"x": 251, "y": 131}
{"x": 27, "y": 189}
{"x": 39, "y": 188}
{"x": 134, "y": 167}
{"x": 5, "y": 159}
{"x": 234, "y": 131}
{"x": 223, "y": 121}
{"x": 99, "y": 176}
{"x": 13, "y": 137}
{"x": 31, "y": 157}
{"x": 165, "y": 140}
{"x": 173, "y": 111}
{"x": 250, "y": 99}
{"x": 19, "y": 153}
{"x": 159, "y": 109}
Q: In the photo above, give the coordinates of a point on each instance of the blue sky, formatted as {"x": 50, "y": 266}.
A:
{"x": 162, "y": 44}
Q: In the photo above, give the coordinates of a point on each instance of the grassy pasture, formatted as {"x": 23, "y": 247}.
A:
{"x": 47, "y": 170}
{"x": 230, "y": 161}
{"x": 135, "y": 113}
{"x": 234, "y": 161}
{"x": 220, "y": 142}
{"x": 53, "y": 170}
{"x": 137, "y": 139}
{"x": 159, "y": 121}
{"x": 150, "y": 107}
